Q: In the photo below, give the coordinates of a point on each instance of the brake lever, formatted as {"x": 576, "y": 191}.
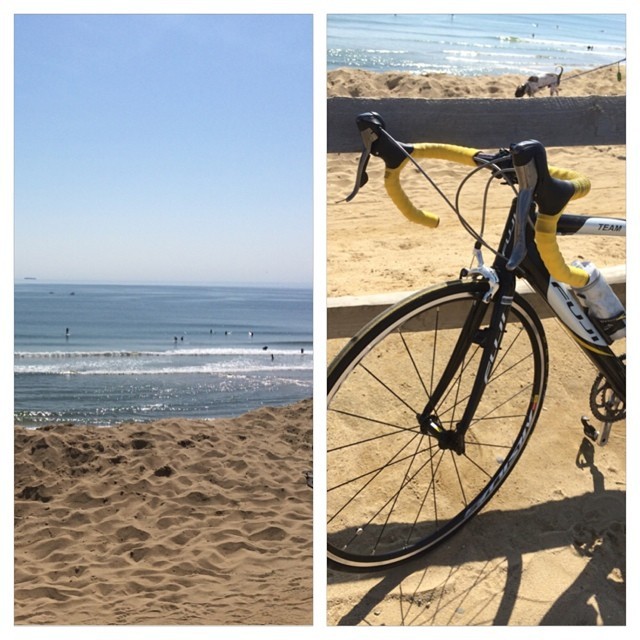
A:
{"x": 366, "y": 123}
{"x": 362, "y": 177}
{"x": 523, "y": 209}
{"x": 527, "y": 177}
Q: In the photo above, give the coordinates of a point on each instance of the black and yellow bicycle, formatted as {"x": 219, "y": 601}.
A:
{"x": 437, "y": 397}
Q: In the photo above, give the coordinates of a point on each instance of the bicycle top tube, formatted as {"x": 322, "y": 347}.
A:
{"x": 583, "y": 224}
{"x": 525, "y": 164}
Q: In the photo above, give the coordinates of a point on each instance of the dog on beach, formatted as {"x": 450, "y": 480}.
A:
{"x": 536, "y": 83}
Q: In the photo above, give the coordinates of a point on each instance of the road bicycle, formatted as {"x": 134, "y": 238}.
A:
{"x": 431, "y": 404}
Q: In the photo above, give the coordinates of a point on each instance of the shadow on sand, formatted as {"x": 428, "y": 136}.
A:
{"x": 593, "y": 598}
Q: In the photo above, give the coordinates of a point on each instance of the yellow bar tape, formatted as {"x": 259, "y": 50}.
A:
{"x": 581, "y": 183}
{"x": 547, "y": 243}
{"x": 546, "y": 234}
{"x": 450, "y": 152}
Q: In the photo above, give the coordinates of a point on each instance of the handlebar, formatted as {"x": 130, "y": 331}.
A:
{"x": 396, "y": 155}
{"x": 550, "y": 188}
{"x": 452, "y": 153}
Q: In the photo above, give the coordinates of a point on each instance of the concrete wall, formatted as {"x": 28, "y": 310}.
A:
{"x": 483, "y": 123}
{"x": 347, "y": 315}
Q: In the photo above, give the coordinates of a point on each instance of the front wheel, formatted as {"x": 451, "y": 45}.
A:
{"x": 394, "y": 490}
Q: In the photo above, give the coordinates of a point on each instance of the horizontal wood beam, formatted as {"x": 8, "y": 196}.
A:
{"x": 483, "y": 123}
{"x": 346, "y": 315}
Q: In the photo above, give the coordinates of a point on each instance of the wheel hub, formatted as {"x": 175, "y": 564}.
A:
{"x": 448, "y": 439}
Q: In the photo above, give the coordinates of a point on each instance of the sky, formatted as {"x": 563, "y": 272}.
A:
{"x": 164, "y": 148}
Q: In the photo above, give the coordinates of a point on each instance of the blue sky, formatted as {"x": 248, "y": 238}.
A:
{"x": 164, "y": 148}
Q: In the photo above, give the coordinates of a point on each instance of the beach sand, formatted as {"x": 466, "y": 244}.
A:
{"x": 358, "y": 83}
{"x": 550, "y": 547}
{"x": 176, "y": 522}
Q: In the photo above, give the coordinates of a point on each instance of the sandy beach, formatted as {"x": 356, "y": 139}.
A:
{"x": 176, "y": 522}
{"x": 358, "y": 83}
{"x": 550, "y": 547}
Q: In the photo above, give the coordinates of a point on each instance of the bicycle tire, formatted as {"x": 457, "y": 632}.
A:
{"x": 392, "y": 493}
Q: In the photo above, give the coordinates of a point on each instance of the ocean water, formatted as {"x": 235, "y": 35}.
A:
{"x": 475, "y": 44}
{"x": 138, "y": 353}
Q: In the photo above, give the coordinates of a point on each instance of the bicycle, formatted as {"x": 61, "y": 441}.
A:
{"x": 431, "y": 404}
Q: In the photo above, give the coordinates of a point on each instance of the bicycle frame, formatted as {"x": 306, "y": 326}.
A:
{"x": 559, "y": 297}
{"x": 564, "y": 304}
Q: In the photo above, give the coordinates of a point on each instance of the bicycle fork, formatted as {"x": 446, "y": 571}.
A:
{"x": 489, "y": 340}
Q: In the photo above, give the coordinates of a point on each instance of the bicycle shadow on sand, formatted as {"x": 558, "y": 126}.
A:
{"x": 477, "y": 577}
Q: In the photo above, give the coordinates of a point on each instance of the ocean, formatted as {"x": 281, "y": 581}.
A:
{"x": 475, "y": 44}
{"x": 105, "y": 354}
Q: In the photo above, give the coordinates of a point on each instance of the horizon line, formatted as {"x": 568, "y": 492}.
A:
{"x": 177, "y": 283}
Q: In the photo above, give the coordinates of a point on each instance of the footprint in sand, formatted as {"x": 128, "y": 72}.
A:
{"x": 269, "y": 533}
{"x": 128, "y": 533}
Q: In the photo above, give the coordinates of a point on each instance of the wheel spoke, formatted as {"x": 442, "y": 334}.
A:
{"x": 389, "y": 389}
{"x": 383, "y": 467}
{"x": 392, "y": 499}
{"x": 397, "y": 429}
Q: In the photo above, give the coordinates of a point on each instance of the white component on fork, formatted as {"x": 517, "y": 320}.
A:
{"x": 487, "y": 273}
